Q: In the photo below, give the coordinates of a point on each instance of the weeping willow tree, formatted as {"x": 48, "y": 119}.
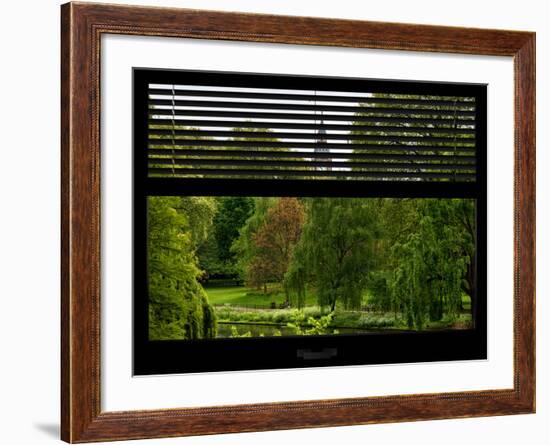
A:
{"x": 431, "y": 263}
{"x": 178, "y": 305}
{"x": 335, "y": 251}
{"x": 296, "y": 278}
{"x": 429, "y": 245}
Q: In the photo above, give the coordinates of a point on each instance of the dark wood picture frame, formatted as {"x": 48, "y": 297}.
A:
{"x": 82, "y": 25}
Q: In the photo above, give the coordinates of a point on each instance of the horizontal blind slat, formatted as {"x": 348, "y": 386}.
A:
{"x": 308, "y": 145}
{"x": 385, "y": 117}
{"x": 305, "y": 163}
{"x": 308, "y": 97}
{"x": 293, "y": 154}
{"x": 306, "y": 107}
{"x": 266, "y": 135}
{"x": 441, "y": 127}
{"x": 310, "y": 174}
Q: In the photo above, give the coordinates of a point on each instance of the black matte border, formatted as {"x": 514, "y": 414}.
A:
{"x": 172, "y": 356}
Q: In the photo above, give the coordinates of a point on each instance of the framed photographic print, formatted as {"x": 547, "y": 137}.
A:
{"x": 350, "y": 210}
{"x": 345, "y": 208}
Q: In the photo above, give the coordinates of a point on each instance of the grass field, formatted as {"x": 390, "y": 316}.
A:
{"x": 243, "y": 296}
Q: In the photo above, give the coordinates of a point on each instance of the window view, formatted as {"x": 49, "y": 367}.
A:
{"x": 228, "y": 132}
{"x": 278, "y": 266}
{"x": 292, "y": 211}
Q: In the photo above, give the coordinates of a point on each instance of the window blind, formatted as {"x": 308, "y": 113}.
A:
{"x": 223, "y": 131}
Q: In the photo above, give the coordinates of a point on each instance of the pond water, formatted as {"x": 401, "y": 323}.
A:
{"x": 268, "y": 330}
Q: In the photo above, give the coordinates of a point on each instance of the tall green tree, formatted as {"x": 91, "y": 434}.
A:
{"x": 398, "y": 217}
{"x": 458, "y": 218}
{"x": 200, "y": 212}
{"x": 233, "y": 211}
{"x": 335, "y": 252}
{"x": 464, "y": 213}
{"x": 178, "y": 305}
{"x": 431, "y": 262}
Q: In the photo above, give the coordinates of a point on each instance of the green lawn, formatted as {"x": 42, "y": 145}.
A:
{"x": 243, "y": 296}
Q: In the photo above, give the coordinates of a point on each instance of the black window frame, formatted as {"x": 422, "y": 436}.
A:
{"x": 207, "y": 355}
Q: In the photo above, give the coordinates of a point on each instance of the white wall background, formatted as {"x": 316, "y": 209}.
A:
{"x": 29, "y": 222}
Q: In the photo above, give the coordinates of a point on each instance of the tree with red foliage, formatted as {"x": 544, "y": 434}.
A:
{"x": 275, "y": 241}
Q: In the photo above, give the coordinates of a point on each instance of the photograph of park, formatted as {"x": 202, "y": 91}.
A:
{"x": 242, "y": 266}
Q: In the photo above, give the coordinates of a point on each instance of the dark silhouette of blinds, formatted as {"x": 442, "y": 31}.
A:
{"x": 220, "y": 131}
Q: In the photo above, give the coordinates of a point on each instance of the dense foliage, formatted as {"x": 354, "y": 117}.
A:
{"x": 409, "y": 259}
{"x": 428, "y": 259}
{"x": 178, "y": 305}
{"x": 244, "y": 247}
{"x": 217, "y": 258}
{"x": 336, "y": 250}
{"x": 274, "y": 242}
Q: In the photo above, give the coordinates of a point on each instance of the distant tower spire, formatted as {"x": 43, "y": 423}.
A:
{"x": 321, "y": 137}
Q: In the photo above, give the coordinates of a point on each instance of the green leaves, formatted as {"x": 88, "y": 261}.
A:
{"x": 303, "y": 325}
{"x": 430, "y": 262}
{"x": 178, "y": 306}
{"x": 231, "y": 216}
{"x": 412, "y": 257}
{"x": 335, "y": 252}
{"x": 274, "y": 242}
